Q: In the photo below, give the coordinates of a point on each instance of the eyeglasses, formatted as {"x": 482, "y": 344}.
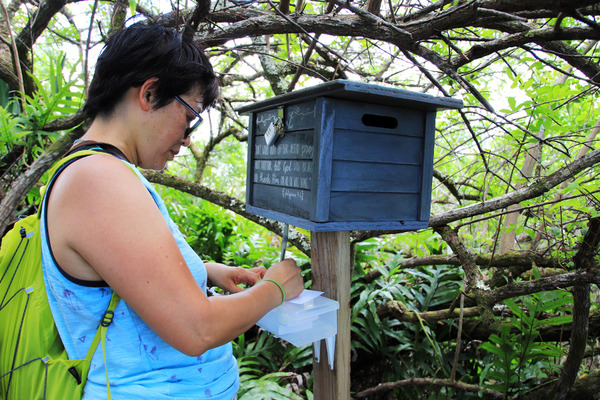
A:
{"x": 194, "y": 123}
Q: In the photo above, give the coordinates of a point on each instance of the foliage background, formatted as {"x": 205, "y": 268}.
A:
{"x": 498, "y": 299}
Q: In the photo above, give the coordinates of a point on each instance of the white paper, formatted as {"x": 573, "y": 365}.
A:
{"x": 306, "y": 295}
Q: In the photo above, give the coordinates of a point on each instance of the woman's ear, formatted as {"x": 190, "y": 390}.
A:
{"x": 147, "y": 93}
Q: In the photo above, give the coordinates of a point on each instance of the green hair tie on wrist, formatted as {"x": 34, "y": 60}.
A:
{"x": 278, "y": 285}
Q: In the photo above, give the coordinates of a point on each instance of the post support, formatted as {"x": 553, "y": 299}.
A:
{"x": 332, "y": 273}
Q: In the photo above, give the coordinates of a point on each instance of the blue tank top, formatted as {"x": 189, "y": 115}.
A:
{"x": 140, "y": 364}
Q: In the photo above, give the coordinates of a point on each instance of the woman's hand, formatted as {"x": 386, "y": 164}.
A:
{"x": 228, "y": 278}
{"x": 288, "y": 275}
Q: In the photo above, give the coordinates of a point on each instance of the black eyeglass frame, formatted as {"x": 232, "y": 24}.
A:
{"x": 192, "y": 128}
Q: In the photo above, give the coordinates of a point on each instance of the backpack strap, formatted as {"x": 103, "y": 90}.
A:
{"x": 68, "y": 159}
{"x": 107, "y": 318}
{"x": 100, "y": 336}
{"x": 81, "y": 144}
{"x": 58, "y": 167}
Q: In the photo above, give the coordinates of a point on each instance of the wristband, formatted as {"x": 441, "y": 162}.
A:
{"x": 278, "y": 285}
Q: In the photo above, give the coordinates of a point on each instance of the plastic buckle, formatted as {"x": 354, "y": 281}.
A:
{"x": 107, "y": 319}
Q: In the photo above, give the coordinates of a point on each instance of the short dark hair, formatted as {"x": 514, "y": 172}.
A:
{"x": 139, "y": 52}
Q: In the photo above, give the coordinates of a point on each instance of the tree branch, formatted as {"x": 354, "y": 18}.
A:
{"x": 586, "y": 387}
{"x": 398, "y": 310}
{"x": 473, "y": 276}
{"x": 579, "y": 335}
{"x": 531, "y": 191}
{"x": 519, "y": 261}
{"x": 581, "y": 311}
{"x": 299, "y": 240}
{"x": 200, "y": 12}
{"x": 472, "y": 272}
{"x": 26, "y": 181}
{"x": 14, "y": 52}
{"x": 565, "y": 280}
{"x": 449, "y": 70}
{"x": 36, "y": 24}
{"x": 526, "y": 34}
{"x": 424, "y": 382}
{"x": 474, "y": 329}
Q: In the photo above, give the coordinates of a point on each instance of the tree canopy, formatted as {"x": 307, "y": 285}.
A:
{"x": 501, "y": 290}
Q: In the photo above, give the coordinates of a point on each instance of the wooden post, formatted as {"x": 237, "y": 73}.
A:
{"x": 332, "y": 274}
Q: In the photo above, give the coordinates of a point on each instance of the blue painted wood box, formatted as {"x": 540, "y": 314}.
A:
{"x": 346, "y": 156}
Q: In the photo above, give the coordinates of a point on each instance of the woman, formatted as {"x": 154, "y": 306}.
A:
{"x": 105, "y": 228}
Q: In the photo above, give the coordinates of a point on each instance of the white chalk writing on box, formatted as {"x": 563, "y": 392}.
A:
{"x": 290, "y": 173}
{"x": 285, "y": 149}
{"x": 289, "y": 194}
{"x": 264, "y": 119}
{"x": 299, "y": 115}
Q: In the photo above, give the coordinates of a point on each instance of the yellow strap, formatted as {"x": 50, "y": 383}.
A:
{"x": 103, "y": 335}
{"x": 62, "y": 162}
{"x": 104, "y": 324}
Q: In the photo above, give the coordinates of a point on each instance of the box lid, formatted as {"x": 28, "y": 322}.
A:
{"x": 290, "y": 313}
{"x": 358, "y": 91}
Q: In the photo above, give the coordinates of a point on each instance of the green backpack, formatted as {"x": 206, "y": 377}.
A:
{"x": 33, "y": 361}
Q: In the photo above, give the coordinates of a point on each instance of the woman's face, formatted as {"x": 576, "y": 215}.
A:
{"x": 162, "y": 133}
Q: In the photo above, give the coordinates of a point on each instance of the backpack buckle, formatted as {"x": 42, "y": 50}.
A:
{"x": 107, "y": 319}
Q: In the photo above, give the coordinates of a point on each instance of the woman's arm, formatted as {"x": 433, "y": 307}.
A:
{"x": 105, "y": 225}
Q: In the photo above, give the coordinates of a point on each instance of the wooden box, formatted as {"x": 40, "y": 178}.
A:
{"x": 348, "y": 156}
